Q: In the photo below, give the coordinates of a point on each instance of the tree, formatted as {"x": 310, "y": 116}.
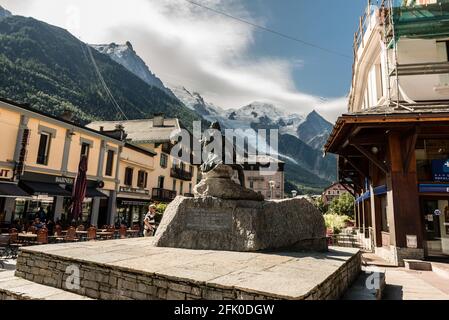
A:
{"x": 319, "y": 203}
{"x": 343, "y": 205}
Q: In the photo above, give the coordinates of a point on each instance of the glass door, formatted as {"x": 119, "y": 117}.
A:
{"x": 436, "y": 223}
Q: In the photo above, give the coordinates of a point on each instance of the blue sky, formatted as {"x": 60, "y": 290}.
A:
{"x": 327, "y": 23}
{"x": 230, "y": 63}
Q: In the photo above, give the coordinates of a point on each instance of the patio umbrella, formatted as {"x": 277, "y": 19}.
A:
{"x": 79, "y": 190}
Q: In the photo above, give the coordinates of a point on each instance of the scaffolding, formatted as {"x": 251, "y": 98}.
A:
{"x": 413, "y": 19}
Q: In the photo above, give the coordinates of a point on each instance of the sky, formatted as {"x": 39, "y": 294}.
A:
{"x": 230, "y": 63}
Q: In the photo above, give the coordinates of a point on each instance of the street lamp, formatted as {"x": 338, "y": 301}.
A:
{"x": 272, "y": 186}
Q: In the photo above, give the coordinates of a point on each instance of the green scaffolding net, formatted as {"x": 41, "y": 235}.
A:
{"x": 412, "y": 20}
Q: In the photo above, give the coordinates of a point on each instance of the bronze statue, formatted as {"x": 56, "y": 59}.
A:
{"x": 214, "y": 160}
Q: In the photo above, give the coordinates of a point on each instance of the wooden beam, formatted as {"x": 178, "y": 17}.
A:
{"x": 410, "y": 148}
{"x": 367, "y": 140}
{"x": 356, "y": 167}
{"x": 371, "y": 157}
{"x": 347, "y": 189}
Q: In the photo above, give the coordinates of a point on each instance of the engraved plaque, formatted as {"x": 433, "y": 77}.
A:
{"x": 208, "y": 220}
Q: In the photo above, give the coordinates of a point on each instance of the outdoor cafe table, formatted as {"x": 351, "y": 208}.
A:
{"x": 132, "y": 232}
{"x": 27, "y": 237}
{"x": 105, "y": 234}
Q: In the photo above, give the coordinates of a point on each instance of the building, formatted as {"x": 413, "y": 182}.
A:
{"x": 170, "y": 177}
{"x": 334, "y": 191}
{"x": 270, "y": 183}
{"x": 39, "y": 160}
{"x": 393, "y": 143}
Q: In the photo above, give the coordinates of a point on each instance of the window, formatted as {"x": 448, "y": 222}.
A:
{"x": 251, "y": 184}
{"x": 142, "y": 179}
{"x": 129, "y": 176}
{"x": 190, "y": 188}
{"x": 181, "y": 187}
{"x": 44, "y": 149}
{"x": 85, "y": 147}
{"x": 160, "y": 182}
{"x": 174, "y": 185}
{"x": 183, "y": 166}
{"x": 164, "y": 160}
{"x": 109, "y": 163}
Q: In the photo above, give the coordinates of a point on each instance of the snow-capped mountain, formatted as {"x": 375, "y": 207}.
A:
{"x": 194, "y": 101}
{"x": 127, "y": 57}
{"x": 315, "y": 130}
{"x": 267, "y": 114}
{"x": 4, "y": 13}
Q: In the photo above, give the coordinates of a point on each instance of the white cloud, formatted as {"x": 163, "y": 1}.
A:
{"x": 187, "y": 45}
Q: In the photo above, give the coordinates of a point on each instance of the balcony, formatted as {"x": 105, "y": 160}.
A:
{"x": 180, "y": 174}
{"x": 163, "y": 195}
{"x": 189, "y": 195}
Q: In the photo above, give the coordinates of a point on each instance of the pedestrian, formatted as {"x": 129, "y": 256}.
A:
{"x": 149, "y": 221}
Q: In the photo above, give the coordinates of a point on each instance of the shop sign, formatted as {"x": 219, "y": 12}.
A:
{"x": 134, "y": 190}
{"x": 437, "y": 212}
{"x": 18, "y": 171}
{"x": 412, "y": 241}
{"x": 5, "y": 174}
{"x": 440, "y": 170}
{"x": 133, "y": 203}
{"x": 44, "y": 178}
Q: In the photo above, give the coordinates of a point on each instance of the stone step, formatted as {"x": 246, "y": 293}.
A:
{"x": 418, "y": 265}
{"x": 368, "y": 286}
{"x": 15, "y": 288}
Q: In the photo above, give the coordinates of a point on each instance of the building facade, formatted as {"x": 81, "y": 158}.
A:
{"x": 39, "y": 161}
{"x": 334, "y": 191}
{"x": 393, "y": 144}
{"x": 170, "y": 177}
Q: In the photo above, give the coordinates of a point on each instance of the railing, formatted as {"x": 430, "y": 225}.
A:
{"x": 179, "y": 173}
{"x": 189, "y": 195}
{"x": 163, "y": 195}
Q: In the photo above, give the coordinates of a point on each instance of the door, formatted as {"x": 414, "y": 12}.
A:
{"x": 436, "y": 223}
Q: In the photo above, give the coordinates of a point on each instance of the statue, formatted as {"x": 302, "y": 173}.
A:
{"x": 217, "y": 175}
{"x": 214, "y": 160}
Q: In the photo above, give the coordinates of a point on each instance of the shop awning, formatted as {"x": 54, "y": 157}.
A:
{"x": 91, "y": 192}
{"x": 378, "y": 191}
{"x": 11, "y": 190}
{"x": 39, "y": 188}
{"x": 434, "y": 188}
{"x": 95, "y": 193}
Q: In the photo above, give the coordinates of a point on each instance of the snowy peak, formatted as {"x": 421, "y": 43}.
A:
{"x": 4, "y": 13}
{"x": 261, "y": 110}
{"x": 125, "y": 55}
{"x": 194, "y": 101}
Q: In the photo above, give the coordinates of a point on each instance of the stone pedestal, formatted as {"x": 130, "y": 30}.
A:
{"x": 210, "y": 223}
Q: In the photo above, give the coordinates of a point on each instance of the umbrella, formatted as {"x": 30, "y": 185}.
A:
{"x": 79, "y": 190}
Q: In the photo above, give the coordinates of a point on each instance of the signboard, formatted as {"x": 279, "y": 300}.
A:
{"x": 412, "y": 241}
{"x": 134, "y": 190}
{"x": 6, "y": 174}
{"x": 440, "y": 170}
{"x": 20, "y": 165}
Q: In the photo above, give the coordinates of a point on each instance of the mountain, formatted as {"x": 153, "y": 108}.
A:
{"x": 194, "y": 101}
{"x": 315, "y": 130}
{"x": 48, "y": 68}
{"x": 127, "y": 57}
{"x": 300, "y": 138}
{"x": 4, "y": 13}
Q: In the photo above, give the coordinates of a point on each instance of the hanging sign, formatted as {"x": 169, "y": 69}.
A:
{"x": 437, "y": 212}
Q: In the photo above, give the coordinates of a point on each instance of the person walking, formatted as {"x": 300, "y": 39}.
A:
{"x": 149, "y": 221}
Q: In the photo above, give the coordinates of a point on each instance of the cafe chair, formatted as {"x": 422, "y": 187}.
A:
{"x": 123, "y": 232}
{"x": 71, "y": 235}
{"x": 42, "y": 236}
{"x": 91, "y": 234}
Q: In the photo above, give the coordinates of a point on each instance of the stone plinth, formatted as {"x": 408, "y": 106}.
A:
{"x": 135, "y": 269}
{"x": 240, "y": 225}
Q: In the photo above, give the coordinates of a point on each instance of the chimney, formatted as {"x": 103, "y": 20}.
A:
{"x": 101, "y": 128}
{"x": 158, "y": 120}
{"x": 67, "y": 115}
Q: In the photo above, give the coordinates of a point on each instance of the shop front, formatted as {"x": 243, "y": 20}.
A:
{"x": 52, "y": 194}
{"x": 132, "y": 205}
{"x": 433, "y": 174}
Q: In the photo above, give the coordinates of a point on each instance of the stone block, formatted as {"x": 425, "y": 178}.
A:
{"x": 179, "y": 287}
{"x": 174, "y": 295}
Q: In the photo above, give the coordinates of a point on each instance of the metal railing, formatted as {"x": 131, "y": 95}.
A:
{"x": 163, "y": 195}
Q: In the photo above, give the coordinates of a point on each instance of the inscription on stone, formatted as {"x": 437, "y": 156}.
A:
{"x": 208, "y": 220}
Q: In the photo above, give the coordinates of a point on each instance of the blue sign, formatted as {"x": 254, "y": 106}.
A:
{"x": 440, "y": 170}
